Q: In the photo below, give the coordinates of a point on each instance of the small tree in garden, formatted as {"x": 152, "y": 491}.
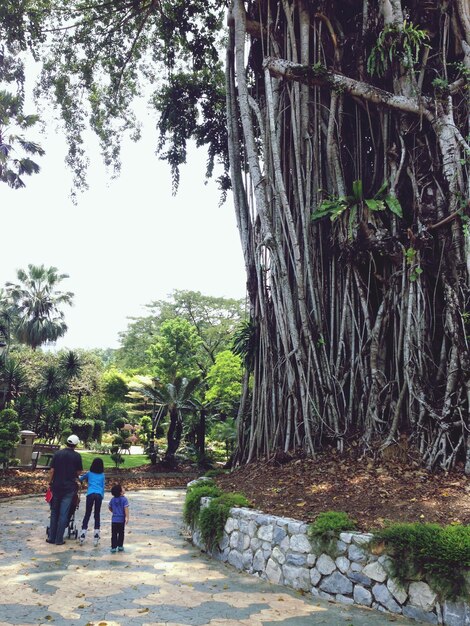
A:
{"x": 9, "y": 435}
{"x": 117, "y": 458}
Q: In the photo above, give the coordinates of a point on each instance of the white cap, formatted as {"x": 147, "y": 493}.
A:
{"x": 73, "y": 440}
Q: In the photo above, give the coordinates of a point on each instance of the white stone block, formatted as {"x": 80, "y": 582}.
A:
{"x": 255, "y": 543}
{"x": 397, "y": 591}
{"x": 362, "y": 539}
{"x": 375, "y": 571}
{"x": 315, "y": 576}
{"x": 300, "y": 543}
{"x": 285, "y": 544}
{"x": 278, "y": 555}
{"x": 265, "y": 533}
{"x": 273, "y": 572}
{"x": 344, "y": 599}
{"x": 325, "y": 565}
{"x": 296, "y": 577}
{"x": 259, "y": 562}
{"x": 229, "y": 525}
{"x": 422, "y": 596}
{"x": 362, "y": 596}
{"x": 342, "y": 563}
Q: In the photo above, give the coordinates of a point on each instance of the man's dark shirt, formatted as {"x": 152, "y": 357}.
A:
{"x": 66, "y": 464}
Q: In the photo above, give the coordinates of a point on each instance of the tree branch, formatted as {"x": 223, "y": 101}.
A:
{"x": 320, "y": 76}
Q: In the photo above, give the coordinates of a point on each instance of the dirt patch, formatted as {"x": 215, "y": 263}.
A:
{"x": 17, "y": 482}
{"x": 371, "y": 493}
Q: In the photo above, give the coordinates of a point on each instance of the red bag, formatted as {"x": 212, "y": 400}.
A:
{"x": 48, "y": 496}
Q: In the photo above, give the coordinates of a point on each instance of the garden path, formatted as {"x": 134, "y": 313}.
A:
{"x": 160, "y": 579}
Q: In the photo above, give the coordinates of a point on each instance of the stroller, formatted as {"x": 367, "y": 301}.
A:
{"x": 71, "y": 530}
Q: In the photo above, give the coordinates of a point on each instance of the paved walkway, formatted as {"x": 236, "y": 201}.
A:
{"x": 160, "y": 579}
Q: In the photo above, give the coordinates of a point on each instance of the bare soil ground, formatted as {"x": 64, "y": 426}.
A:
{"x": 17, "y": 482}
{"x": 371, "y": 492}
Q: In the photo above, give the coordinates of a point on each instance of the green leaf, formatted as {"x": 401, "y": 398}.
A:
{"x": 375, "y": 205}
{"x": 318, "y": 215}
{"x": 394, "y": 205}
{"x": 382, "y": 189}
{"x": 357, "y": 190}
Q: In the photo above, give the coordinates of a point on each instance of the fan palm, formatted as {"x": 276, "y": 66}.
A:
{"x": 37, "y": 302}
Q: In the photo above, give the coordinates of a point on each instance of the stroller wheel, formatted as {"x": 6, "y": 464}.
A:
{"x": 75, "y": 533}
{"x": 47, "y": 532}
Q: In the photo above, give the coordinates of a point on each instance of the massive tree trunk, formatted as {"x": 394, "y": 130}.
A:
{"x": 351, "y": 193}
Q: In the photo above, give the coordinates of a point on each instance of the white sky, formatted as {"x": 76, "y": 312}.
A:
{"x": 127, "y": 241}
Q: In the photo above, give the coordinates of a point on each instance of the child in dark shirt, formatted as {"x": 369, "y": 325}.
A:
{"x": 119, "y": 507}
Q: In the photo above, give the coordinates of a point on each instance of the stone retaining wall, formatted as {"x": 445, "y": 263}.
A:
{"x": 278, "y": 549}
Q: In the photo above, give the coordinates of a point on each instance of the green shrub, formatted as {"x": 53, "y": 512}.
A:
{"x": 9, "y": 435}
{"x": 117, "y": 458}
{"x": 98, "y": 428}
{"x": 212, "y": 518}
{"x": 83, "y": 429}
{"x": 216, "y": 472}
{"x": 439, "y": 554}
{"x": 192, "y": 503}
{"x": 324, "y": 531}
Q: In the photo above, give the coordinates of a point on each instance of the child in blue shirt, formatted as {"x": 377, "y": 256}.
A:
{"x": 119, "y": 507}
{"x": 94, "y": 497}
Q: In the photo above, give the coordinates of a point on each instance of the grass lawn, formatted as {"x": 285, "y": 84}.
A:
{"x": 130, "y": 460}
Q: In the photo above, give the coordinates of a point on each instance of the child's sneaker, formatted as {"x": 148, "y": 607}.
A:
{"x": 120, "y": 549}
{"x": 82, "y": 537}
{"x": 96, "y": 538}
{"x": 113, "y": 550}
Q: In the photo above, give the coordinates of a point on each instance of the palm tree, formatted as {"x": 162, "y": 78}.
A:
{"x": 173, "y": 399}
{"x": 37, "y": 302}
{"x": 12, "y": 168}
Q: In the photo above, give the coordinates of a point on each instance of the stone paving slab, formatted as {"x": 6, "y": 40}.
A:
{"x": 160, "y": 579}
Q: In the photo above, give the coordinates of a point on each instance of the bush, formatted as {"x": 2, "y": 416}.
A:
{"x": 65, "y": 434}
{"x": 83, "y": 429}
{"x": 98, "y": 428}
{"x": 440, "y": 554}
{"x": 192, "y": 503}
{"x": 213, "y": 518}
{"x": 119, "y": 423}
{"x": 117, "y": 458}
{"x": 9, "y": 435}
{"x": 324, "y": 531}
{"x": 216, "y": 472}
{"x": 100, "y": 448}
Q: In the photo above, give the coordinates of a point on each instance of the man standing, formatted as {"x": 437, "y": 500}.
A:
{"x": 66, "y": 466}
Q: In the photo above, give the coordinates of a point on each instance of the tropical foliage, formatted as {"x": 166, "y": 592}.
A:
{"x": 15, "y": 148}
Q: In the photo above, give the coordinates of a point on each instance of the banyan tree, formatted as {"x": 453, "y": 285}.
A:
{"x": 353, "y": 123}
{"x": 344, "y": 125}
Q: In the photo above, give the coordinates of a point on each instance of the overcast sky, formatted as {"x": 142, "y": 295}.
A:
{"x": 126, "y": 242}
